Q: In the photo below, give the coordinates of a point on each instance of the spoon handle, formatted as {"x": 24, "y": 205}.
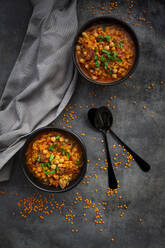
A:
{"x": 142, "y": 164}
{"x": 111, "y": 175}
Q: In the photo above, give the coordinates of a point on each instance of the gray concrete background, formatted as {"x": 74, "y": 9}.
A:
{"x": 142, "y": 129}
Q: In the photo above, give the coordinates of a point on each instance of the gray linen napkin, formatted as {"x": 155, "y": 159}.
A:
{"x": 43, "y": 78}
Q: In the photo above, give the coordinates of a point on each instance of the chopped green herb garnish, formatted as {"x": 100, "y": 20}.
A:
{"x": 106, "y": 65}
{"x": 108, "y": 37}
{"x": 118, "y": 59}
{"x": 57, "y": 137}
{"x": 114, "y": 54}
{"x": 104, "y": 28}
{"x": 102, "y": 38}
{"x": 110, "y": 57}
{"x": 121, "y": 43}
{"x": 110, "y": 72}
{"x": 51, "y": 148}
{"x": 116, "y": 44}
{"x": 64, "y": 152}
{"x": 97, "y": 64}
{"x": 95, "y": 57}
{"x": 68, "y": 155}
{"x": 102, "y": 59}
{"x": 105, "y": 51}
{"x": 51, "y": 157}
{"x": 48, "y": 164}
{"x": 78, "y": 162}
{"x": 50, "y": 172}
{"x": 43, "y": 167}
{"x": 38, "y": 159}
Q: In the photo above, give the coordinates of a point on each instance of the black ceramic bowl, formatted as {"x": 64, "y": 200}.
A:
{"x": 43, "y": 186}
{"x": 105, "y": 20}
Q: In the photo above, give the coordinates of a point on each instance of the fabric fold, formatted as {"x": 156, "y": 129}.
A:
{"x": 43, "y": 78}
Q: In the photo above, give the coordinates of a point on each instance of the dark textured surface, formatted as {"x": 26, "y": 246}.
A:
{"x": 142, "y": 129}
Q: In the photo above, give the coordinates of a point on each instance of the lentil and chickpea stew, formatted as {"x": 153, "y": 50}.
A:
{"x": 105, "y": 53}
{"x": 55, "y": 158}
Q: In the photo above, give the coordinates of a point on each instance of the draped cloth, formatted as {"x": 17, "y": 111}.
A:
{"x": 43, "y": 78}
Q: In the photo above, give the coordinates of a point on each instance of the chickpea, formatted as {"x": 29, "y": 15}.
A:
{"x": 57, "y": 157}
{"x": 84, "y": 34}
{"x": 113, "y": 48}
{"x": 123, "y": 73}
{"x": 106, "y": 47}
{"x": 85, "y": 53}
{"x": 94, "y": 77}
{"x": 56, "y": 176}
{"x": 82, "y": 60}
{"x": 86, "y": 66}
{"x": 53, "y": 139}
{"x": 45, "y": 151}
{"x": 112, "y": 44}
{"x": 53, "y": 166}
{"x": 61, "y": 160}
{"x": 78, "y": 52}
{"x": 61, "y": 139}
{"x": 115, "y": 70}
{"x": 56, "y": 161}
{"x": 77, "y": 47}
{"x": 114, "y": 75}
{"x": 60, "y": 165}
{"x": 74, "y": 149}
{"x": 66, "y": 140}
{"x": 51, "y": 180}
{"x": 39, "y": 169}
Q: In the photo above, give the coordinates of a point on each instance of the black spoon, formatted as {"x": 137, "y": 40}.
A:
{"x": 96, "y": 120}
{"x": 106, "y": 118}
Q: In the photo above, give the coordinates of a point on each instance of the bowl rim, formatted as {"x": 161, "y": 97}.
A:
{"x": 130, "y": 31}
{"x": 32, "y": 179}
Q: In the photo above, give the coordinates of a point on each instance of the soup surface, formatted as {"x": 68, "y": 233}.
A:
{"x": 105, "y": 53}
{"x": 55, "y": 158}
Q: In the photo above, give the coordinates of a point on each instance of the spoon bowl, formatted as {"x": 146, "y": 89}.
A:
{"x": 101, "y": 123}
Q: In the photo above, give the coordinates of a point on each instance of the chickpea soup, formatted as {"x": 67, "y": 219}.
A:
{"x": 105, "y": 53}
{"x": 54, "y": 158}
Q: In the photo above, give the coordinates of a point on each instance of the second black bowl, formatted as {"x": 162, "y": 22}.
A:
{"x": 105, "y": 20}
{"x": 41, "y": 185}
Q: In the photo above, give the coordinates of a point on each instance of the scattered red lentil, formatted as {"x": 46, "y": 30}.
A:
{"x": 2, "y": 192}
